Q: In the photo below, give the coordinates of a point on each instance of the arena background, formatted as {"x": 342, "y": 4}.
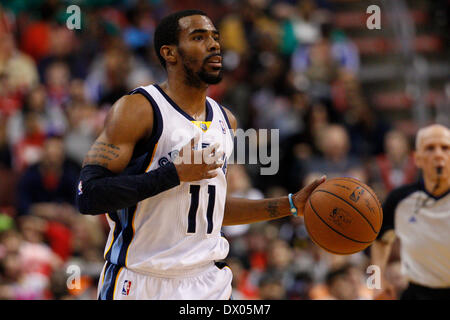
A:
{"x": 347, "y": 101}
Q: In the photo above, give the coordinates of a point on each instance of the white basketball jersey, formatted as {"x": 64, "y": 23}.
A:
{"x": 179, "y": 229}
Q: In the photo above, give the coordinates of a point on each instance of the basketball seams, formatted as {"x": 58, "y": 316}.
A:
{"x": 362, "y": 215}
{"x": 380, "y": 211}
{"x": 341, "y": 234}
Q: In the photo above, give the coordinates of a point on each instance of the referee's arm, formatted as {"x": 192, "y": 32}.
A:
{"x": 382, "y": 246}
{"x": 381, "y": 249}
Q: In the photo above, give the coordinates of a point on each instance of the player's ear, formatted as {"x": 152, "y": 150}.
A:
{"x": 169, "y": 54}
{"x": 417, "y": 159}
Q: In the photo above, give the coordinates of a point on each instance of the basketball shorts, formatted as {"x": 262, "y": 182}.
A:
{"x": 212, "y": 282}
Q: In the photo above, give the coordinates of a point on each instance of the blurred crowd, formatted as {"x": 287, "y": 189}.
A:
{"x": 286, "y": 67}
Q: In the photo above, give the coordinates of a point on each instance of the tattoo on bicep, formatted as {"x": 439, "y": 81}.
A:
{"x": 272, "y": 208}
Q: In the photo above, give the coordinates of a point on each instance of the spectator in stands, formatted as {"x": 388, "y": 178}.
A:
{"x": 18, "y": 68}
{"x": 114, "y": 73}
{"x": 242, "y": 29}
{"x": 341, "y": 285}
{"x": 84, "y": 122}
{"x": 37, "y": 258}
{"x": 396, "y": 166}
{"x": 324, "y": 59}
{"x": 28, "y": 150}
{"x": 271, "y": 288}
{"x": 26, "y": 262}
{"x": 53, "y": 179}
{"x": 57, "y": 286}
{"x": 36, "y": 119}
{"x": 62, "y": 48}
{"x": 397, "y": 280}
{"x": 299, "y": 148}
{"x": 279, "y": 262}
{"x": 301, "y": 287}
{"x": 139, "y": 33}
{"x": 11, "y": 276}
{"x": 366, "y": 128}
{"x": 334, "y": 144}
{"x": 244, "y": 285}
{"x": 57, "y": 82}
{"x": 305, "y": 21}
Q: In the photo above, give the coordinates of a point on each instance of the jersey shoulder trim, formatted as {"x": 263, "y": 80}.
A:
{"x": 400, "y": 193}
{"x": 391, "y": 203}
{"x": 225, "y": 116}
{"x": 148, "y": 145}
{"x": 209, "y": 111}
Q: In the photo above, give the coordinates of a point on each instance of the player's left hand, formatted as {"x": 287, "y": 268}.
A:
{"x": 300, "y": 197}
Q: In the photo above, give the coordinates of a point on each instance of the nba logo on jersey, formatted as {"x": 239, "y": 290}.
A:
{"x": 224, "y": 131}
{"x": 126, "y": 287}
{"x": 80, "y": 188}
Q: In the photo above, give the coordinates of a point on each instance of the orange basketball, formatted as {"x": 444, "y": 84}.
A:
{"x": 343, "y": 216}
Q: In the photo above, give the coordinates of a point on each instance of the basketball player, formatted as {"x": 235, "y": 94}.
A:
{"x": 419, "y": 214}
{"x": 165, "y": 214}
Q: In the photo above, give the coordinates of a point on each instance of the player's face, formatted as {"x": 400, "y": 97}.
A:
{"x": 433, "y": 152}
{"x": 199, "y": 49}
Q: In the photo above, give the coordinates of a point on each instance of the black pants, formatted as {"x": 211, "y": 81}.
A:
{"x": 417, "y": 292}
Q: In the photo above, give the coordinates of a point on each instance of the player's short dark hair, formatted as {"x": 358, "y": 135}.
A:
{"x": 168, "y": 30}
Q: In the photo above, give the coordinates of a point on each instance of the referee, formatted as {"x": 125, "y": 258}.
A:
{"x": 419, "y": 215}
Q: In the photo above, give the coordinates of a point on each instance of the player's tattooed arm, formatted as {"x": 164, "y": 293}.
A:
{"x": 244, "y": 211}
{"x": 102, "y": 154}
{"x": 273, "y": 208}
{"x": 123, "y": 129}
{"x": 101, "y": 189}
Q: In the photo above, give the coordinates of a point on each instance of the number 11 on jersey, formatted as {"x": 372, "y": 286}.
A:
{"x": 194, "y": 190}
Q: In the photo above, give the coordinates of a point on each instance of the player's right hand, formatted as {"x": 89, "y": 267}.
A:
{"x": 195, "y": 165}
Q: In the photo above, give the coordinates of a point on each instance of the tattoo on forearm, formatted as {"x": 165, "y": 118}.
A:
{"x": 96, "y": 155}
{"x": 110, "y": 145}
{"x": 272, "y": 208}
{"x": 101, "y": 153}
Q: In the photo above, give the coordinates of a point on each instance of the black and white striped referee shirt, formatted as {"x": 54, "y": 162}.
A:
{"x": 422, "y": 223}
